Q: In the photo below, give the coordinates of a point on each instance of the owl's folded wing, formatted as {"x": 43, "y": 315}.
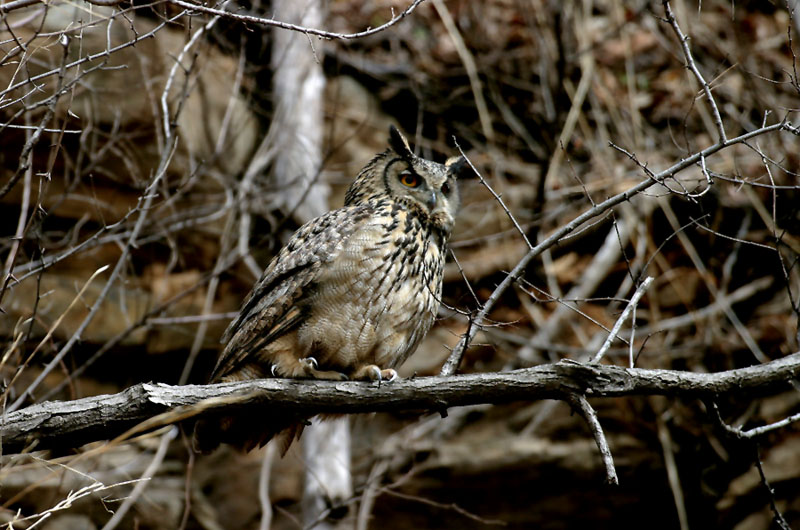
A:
{"x": 275, "y": 305}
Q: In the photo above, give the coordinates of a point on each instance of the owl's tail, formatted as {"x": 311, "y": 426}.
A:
{"x": 245, "y": 434}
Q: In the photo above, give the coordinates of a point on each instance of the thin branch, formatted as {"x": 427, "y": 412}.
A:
{"x": 690, "y": 64}
{"x": 777, "y": 515}
{"x": 144, "y": 481}
{"x": 755, "y": 432}
{"x": 582, "y": 407}
{"x": 18, "y": 4}
{"x": 285, "y": 25}
{"x": 444, "y": 506}
{"x": 376, "y": 474}
{"x": 144, "y": 207}
{"x": 454, "y": 360}
{"x": 148, "y": 406}
{"x": 621, "y": 320}
{"x": 88, "y": 58}
{"x": 673, "y": 478}
{"x": 750, "y": 436}
{"x": 495, "y": 195}
{"x": 24, "y": 158}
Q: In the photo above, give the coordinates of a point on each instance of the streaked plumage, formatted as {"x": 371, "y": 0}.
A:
{"x": 352, "y": 293}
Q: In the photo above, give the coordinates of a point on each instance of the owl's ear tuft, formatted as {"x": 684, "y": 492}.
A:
{"x": 456, "y": 166}
{"x": 399, "y": 143}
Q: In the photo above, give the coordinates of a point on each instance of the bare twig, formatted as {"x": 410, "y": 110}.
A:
{"x": 690, "y": 64}
{"x": 24, "y": 157}
{"x": 453, "y": 361}
{"x": 624, "y": 316}
{"x": 376, "y": 473}
{"x": 777, "y": 515}
{"x": 18, "y": 4}
{"x": 144, "y": 207}
{"x": 144, "y": 480}
{"x": 751, "y": 436}
{"x": 753, "y": 433}
{"x": 672, "y": 471}
{"x": 580, "y": 405}
{"x": 445, "y": 506}
{"x": 284, "y": 25}
{"x": 495, "y": 195}
{"x": 90, "y": 58}
{"x": 55, "y": 326}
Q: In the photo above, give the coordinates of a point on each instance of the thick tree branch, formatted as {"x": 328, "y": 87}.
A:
{"x": 65, "y": 424}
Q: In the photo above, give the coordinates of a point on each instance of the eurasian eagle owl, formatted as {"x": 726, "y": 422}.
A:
{"x": 350, "y": 296}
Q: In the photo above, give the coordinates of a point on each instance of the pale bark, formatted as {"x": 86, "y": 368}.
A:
{"x": 65, "y": 424}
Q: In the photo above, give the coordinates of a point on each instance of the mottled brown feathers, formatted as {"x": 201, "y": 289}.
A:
{"x": 350, "y": 296}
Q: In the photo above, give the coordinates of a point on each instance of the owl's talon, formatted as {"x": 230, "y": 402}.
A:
{"x": 310, "y": 362}
{"x": 373, "y": 372}
{"x": 308, "y": 368}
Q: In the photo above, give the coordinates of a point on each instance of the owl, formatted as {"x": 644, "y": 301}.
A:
{"x": 350, "y": 296}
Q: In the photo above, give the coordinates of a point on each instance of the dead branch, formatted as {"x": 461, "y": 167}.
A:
{"x": 691, "y": 65}
{"x": 66, "y": 424}
{"x": 19, "y": 4}
{"x": 582, "y": 407}
{"x": 454, "y": 360}
{"x": 294, "y": 27}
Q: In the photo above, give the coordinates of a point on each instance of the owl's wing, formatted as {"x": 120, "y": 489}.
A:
{"x": 275, "y": 305}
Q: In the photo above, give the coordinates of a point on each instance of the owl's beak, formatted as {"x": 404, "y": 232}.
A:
{"x": 431, "y": 202}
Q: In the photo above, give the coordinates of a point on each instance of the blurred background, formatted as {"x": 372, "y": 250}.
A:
{"x": 182, "y": 149}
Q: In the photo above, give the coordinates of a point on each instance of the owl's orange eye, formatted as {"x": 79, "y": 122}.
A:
{"x": 410, "y": 179}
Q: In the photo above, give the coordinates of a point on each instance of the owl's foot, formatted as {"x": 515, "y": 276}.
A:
{"x": 307, "y": 368}
{"x": 372, "y": 372}
{"x": 312, "y": 370}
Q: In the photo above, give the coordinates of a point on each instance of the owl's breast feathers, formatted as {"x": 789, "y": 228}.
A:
{"x": 359, "y": 285}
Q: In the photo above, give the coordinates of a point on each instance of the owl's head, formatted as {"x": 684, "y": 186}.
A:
{"x": 427, "y": 188}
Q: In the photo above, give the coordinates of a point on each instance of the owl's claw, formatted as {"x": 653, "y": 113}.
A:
{"x": 310, "y": 362}
{"x": 373, "y": 372}
{"x": 310, "y": 369}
